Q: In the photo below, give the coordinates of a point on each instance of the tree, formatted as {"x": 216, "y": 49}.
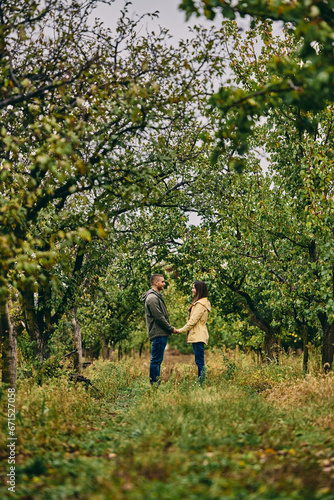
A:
{"x": 295, "y": 224}
{"x": 220, "y": 253}
{"x": 93, "y": 122}
{"x": 267, "y": 237}
{"x": 308, "y": 85}
{"x": 115, "y": 277}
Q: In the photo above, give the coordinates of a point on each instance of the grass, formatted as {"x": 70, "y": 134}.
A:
{"x": 249, "y": 433}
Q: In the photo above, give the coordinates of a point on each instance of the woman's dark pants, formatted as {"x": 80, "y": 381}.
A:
{"x": 198, "y": 348}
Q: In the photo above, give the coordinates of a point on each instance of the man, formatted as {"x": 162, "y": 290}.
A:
{"x": 157, "y": 322}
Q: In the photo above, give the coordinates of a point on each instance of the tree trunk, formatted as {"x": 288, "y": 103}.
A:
{"x": 328, "y": 342}
{"x": 9, "y": 346}
{"x": 305, "y": 348}
{"x": 105, "y": 348}
{"x": 77, "y": 343}
{"x": 270, "y": 340}
{"x": 44, "y": 311}
{"x": 270, "y": 346}
{"x": 31, "y": 321}
{"x": 327, "y": 348}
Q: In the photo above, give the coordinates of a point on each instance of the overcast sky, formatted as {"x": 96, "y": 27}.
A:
{"x": 170, "y": 16}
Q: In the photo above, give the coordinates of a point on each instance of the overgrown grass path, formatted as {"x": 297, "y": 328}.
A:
{"x": 182, "y": 441}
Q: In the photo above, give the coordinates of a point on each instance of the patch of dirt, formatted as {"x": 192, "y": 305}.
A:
{"x": 174, "y": 356}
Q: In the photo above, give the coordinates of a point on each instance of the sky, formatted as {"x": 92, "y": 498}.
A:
{"x": 170, "y": 16}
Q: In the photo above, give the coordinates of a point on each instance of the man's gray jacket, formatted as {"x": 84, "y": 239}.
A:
{"x": 157, "y": 320}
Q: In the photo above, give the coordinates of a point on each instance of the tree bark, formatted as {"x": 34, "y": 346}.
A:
{"x": 9, "y": 346}
{"x": 270, "y": 340}
{"x": 44, "y": 310}
{"x": 31, "y": 321}
{"x": 305, "y": 348}
{"x": 328, "y": 341}
{"x": 327, "y": 348}
{"x": 105, "y": 348}
{"x": 77, "y": 342}
{"x": 270, "y": 346}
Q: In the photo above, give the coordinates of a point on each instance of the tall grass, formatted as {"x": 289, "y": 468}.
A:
{"x": 250, "y": 432}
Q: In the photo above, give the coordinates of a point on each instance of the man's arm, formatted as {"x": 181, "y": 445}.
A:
{"x": 153, "y": 305}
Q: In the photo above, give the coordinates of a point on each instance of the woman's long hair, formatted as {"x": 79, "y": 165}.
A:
{"x": 201, "y": 291}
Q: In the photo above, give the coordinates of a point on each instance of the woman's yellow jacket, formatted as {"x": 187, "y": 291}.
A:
{"x": 196, "y": 325}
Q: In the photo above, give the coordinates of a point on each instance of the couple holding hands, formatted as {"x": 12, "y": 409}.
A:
{"x": 159, "y": 328}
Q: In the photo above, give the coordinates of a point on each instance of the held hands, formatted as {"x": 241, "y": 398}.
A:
{"x": 176, "y": 331}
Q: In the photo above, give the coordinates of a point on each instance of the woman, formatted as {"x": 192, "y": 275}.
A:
{"x": 196, "y": 325}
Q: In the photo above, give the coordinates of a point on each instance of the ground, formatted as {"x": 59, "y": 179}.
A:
{"x": 251, "y": 432}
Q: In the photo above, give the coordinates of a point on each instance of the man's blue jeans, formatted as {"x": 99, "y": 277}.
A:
{"x": 158, "y": 345}
{"x": 198, "y": 348}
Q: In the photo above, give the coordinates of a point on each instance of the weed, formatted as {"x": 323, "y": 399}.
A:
{"x": 253, "y": 432}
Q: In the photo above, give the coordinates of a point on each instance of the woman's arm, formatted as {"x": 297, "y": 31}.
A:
{"x": 196, "y": 314}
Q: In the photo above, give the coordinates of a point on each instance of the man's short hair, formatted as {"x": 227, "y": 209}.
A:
{"x": 154, "y": 277}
